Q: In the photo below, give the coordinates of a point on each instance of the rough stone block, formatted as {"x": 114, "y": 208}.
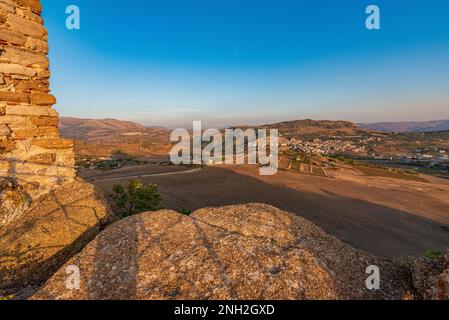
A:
{"x": 43, "y": 158}
{"x": 35, "y": 133}
{"x": 43, "y": 99}
{"x": 53, "y": 143}
{"x": 7, "y": 7}
{"x": 9, "y": 96}
{"x": 12, "y": 37}
{"x": 22, "y": 56}
{"x": 13, "y": 119}
{"x": 28, "y": 85}
{"x": 44, "y": 121}
{"x": 34, "y": 5}
{"x": 29, "y": 15}
{"x": 25, "y": 26}
{"x": 31, "y": 111}
{"x": 13, "y": 68}
{"x": 4, "y": 130}
{"x": 36, "y": 44}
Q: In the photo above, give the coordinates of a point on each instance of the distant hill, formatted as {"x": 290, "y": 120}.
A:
{"x": 308, "y": 127}
{"x": 88, "y": 129}
{"x": 408, "y": 126}
{"x": 101, "y": 138}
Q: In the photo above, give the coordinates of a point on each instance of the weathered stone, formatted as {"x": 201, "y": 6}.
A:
{"x": 14, "y": 97}
{"x": 56, "y": 227}
{"x": 36, "y": 44}
{"x": 25, "y": 104}
{"x": 4, "y": 130}
{"x": 45, "y": 121}
{"x": 26, "y": 26}
{"x": 13, "y": 68}
{"x": 28, "y": 85}
{"x": 13, "y": 37}
{"x": 20, "y": 77}
{"x": 13, "y": 201}
{"x": 6, "y": 119}
{"x": 29, "y": 15}
{"x": 239, "y": 252}
{"x": 21, "y": 126}
{"x": 27, "y": 110}
{"x": 7, "y": 7}
{"x": 47, "y": 158}
{"x": 34, "y": 5}
{"x": 6, "y": 145}
{"x": 53, "y": 143}
{"x": 3, "y": 16}
{"x": 22, "y": 56}
{"x": 35, "y": 133}
{"x": 43, "y": 99}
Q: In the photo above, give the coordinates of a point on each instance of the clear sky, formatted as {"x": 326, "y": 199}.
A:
{"x": 169, "y": 62}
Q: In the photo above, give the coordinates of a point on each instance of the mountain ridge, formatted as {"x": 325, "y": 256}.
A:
{"x": 408, "y": 126}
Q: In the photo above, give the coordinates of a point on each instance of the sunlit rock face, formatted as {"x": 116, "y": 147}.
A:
{"x": 32, "y": 154}
{"x": 251, "y": 251}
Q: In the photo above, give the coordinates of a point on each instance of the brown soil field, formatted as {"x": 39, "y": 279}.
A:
{"x": 92, "y": 175}
{"x": 377, "y": 172}
{"x": 386, "y": 217}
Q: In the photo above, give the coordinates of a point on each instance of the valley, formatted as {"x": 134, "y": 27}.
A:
{"x": 355, "y": 200}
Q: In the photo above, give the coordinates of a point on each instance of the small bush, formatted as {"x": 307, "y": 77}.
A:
{"x": 433, "y": 254}
{"x": 185, "y": 212}
{"x": 135, "y": 198}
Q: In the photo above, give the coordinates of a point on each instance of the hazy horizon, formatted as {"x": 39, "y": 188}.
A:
{"x": 207, "y": 124}
{"x": 252, "y": 62}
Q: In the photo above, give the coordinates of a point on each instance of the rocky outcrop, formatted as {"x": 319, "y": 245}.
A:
{"x": 431, "y": 277}
{"x": 55, "y": 228}
{"x": 31, "y": 151}
{"x": 239, "y": 252}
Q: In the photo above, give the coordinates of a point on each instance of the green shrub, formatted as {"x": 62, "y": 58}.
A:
{"x": 135, "y": 198}
{"x": 185, "y": 212}
{"x": 433, "y": 254}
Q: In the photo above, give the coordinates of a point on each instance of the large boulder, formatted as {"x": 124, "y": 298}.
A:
{"x": 40, "y": 240}
{"x": 239, "y": 252}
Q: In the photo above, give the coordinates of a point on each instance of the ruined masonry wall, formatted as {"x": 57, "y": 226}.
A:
{"x": 31, "y": 151}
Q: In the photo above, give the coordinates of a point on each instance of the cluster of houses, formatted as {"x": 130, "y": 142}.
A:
{"x": 431, "y": 154}
{"x": 327, "y": 146}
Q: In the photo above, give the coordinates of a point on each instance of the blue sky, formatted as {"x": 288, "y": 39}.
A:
{"x": 225, "y": 62}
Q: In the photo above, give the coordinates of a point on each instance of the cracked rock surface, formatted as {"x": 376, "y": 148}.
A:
{"x": 252, "y": 251}
{"x": 56, "y": 227}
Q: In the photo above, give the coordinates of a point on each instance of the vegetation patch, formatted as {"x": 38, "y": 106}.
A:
{"x": 433, "y": 254}
{"x": 185, "y": 212}
{"x": 135, "y": 197}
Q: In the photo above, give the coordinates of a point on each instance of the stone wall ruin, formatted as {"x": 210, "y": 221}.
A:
{"x": 33, "y": 156}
